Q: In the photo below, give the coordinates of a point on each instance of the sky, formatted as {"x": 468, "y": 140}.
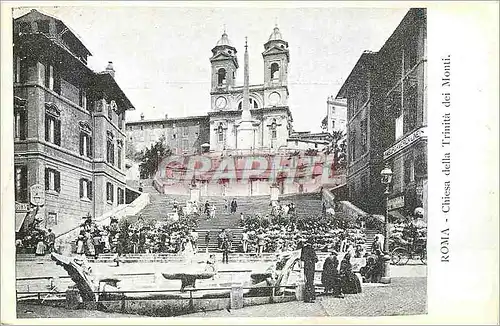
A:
{"x": 161, "y": 54}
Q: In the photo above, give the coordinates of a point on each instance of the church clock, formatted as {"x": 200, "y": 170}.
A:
{"x": 220, "y": 102}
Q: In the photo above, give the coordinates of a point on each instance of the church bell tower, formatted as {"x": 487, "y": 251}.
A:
{"x": 276, "y": 58}
{"x": 224, "y": 65}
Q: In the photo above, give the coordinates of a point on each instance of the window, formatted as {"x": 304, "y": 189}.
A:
{"x": 43, "y": 26}
{"x": 174, "y": 136}
{"x": 185, "y": 131}
{"x": 119, "y": 156}
{"x": 49, "y": 76}
{"x": 109, "y": 192}
{"x": 220, "y": 133}
{"x": 83, "y": 99}
{"x": 275, "y": 71}
{"x": 20, "y": 70}
{"x": 253, "y": 104}
{"x": 85, "y": 144}
{"x": 364, "y": 135}
{"x": 52, "y": 180}
{"x": 185, "y": 144}
{"x": 272, "y": 128}
{"x": 221, "y": 76}
{"x": 333, "y": 124}
{"x": 20, "y": 124}
{"x": 85, "y": 189}
{"x": 52, "y": 128}
{"x": 121, "y": 196}
{"x": 399, "y": 126}
{"x": 352, "y": 146}
{"x": 110, "y": 152}
{"x": 21, "y": 183}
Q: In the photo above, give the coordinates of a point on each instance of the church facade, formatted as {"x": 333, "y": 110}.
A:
{"x": 268, "y": 102}
{"x": 270, "y": 119}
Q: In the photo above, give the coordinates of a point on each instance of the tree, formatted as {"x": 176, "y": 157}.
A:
{"x": 131, "y": 151}
{"x": 151, "y": 157}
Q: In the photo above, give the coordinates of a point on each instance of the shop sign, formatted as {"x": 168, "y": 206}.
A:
{"x": 395, "y": 203}
{"x": 22, "y": 207}
{"x": 405, "y": 142}
{"x": 37, "y": 195}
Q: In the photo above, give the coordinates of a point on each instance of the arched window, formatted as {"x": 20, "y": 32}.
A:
{"x": 272, "y": 128}
{"x": 220, "y": 133}
{"x": 221, "y": 76}
{"x": 275, "y": 71}
{"x": 253, "y": 104}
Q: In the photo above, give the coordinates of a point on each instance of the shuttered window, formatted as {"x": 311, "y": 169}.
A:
{"x": 52, "y": 180}
{"x": 86, "y": 188}
{"x": 109, "y": 192}
{"x": 21, "y": 183}
{"x": 20, "y": 124}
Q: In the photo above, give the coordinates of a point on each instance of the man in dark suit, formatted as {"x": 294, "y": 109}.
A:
{"x": 308, "y": 256}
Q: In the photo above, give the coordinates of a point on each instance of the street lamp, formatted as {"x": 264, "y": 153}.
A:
{"x": 386, "y": 180}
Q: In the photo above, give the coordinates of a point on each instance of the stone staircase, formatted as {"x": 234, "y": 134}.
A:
{"x": 161, "y": 205}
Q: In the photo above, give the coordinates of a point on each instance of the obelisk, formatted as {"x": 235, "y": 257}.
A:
{"x": 246, "y": 129}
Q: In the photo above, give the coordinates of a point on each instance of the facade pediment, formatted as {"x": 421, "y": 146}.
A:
{"x": 275, "y": 50}
{"x": 221, "y": 56}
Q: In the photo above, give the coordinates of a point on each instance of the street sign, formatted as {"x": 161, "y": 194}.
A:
{"x": 22, "y": 207}
{"x": 37, "y": 195}
{"x": 395, "y": 203}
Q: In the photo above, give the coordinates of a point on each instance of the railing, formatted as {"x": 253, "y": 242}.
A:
{"x": 120, "y": 211}
{"x": 121, "y": 295}
{"x": 166, "y": 291}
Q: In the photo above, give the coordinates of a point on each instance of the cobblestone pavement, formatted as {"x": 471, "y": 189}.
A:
{"x": 404, "y": 296}
{"x": 25, "y": 310}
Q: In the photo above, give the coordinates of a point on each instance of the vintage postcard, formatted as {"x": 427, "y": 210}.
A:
{"x": 197, "y": 162}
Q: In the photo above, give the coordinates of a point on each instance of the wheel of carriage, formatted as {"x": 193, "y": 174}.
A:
{"x": 399, "y": 256}
{"x": 423, "y": 256}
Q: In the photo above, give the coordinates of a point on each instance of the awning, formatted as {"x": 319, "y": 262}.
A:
{"x": 20, "y": 220}
{"x": 397, "y": 215}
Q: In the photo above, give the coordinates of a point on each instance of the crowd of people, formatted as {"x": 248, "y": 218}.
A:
{"x": 38, "y": 240}
{"x": 282, "y": 230}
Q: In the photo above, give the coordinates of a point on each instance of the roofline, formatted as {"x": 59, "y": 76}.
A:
{"x": 365, "y": 56}
{"x": 322, "y": 142}
{"x": 410, "y": 15}
{"x": 112, "y": 80}
{"x": 77, "y": 36}
{"x": 138, "y": 122}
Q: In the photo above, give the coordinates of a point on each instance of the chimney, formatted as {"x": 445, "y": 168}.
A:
{"x": 142, "y": 116}
{"x": 110, "y": 69}
{"x": 166, "y": 116}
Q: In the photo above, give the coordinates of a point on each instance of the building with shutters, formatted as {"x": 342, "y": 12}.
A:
{"x": 386, "y": 95}
{"x": 69, "y": 126}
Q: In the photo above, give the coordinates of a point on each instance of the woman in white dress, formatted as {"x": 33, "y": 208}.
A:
{"x": 188, "y": 252}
